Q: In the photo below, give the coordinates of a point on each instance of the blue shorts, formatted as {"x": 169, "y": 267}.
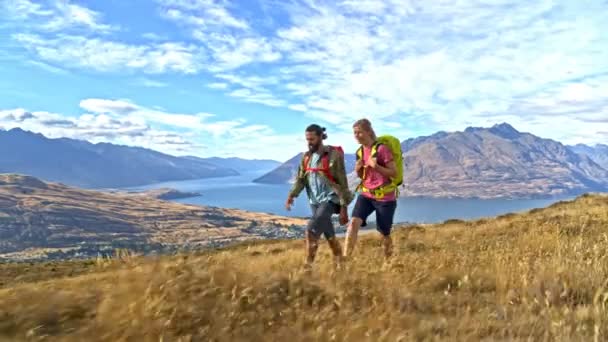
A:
{"x": 320, "y": 222}
{"x": 385, "y": 212}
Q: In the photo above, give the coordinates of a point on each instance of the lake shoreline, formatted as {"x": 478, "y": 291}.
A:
{"x": 241, "y": 193}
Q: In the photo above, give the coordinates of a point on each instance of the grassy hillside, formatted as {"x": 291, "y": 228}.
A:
{"x": 541, "y": 275}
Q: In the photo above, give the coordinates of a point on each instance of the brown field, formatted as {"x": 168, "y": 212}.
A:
{"x": 39, "y": 217}
{"x": 537, "y": 276}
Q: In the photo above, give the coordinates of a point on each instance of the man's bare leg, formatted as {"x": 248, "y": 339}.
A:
{"x": 336, "y": 249}
{"x": 351, "y": 236}
{"x": 312, "y": 244}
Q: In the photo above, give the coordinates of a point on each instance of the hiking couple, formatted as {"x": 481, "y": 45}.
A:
{"x": 322, "y": 173}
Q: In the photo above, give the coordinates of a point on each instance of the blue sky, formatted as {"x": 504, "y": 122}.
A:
{"x": 244, "y": 78}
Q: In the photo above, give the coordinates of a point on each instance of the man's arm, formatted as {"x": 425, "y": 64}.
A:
{"x": 300, "y": 182}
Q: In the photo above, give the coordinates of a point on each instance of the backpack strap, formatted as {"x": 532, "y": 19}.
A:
{"x": 375, "y": 148}
{"x": 305, "y": 161}
{"x": 382, "y": 189}
{"x": 326, "y": 170}
{"x": 324, "y": 165}
{"x": 374, "y": 153}
{"x": 359, "y": 153}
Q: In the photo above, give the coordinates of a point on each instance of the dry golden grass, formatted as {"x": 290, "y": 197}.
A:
{"x": 540, "y": 276}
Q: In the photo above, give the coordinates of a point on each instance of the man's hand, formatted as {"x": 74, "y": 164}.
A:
{"x": 289, "y": 203}
{"x": 343, "y": 216}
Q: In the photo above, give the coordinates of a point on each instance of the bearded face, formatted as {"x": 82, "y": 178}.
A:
{"x": 314, "y": 141}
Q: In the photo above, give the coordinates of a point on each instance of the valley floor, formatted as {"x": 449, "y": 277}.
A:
{"x": 541, "y": 275}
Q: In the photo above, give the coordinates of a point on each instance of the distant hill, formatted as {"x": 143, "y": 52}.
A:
{"x": 286, "y": 172}
{"x": 81, "y": 163}
{"x": 51, "y": 220}
{"x": 480, "y": 162}
{"x": 598, "y": 153}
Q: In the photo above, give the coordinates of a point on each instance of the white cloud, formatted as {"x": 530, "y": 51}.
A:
{"x": 261, "y": 96}
{"x": 71, "y": 15}
{"x": 229, "y": 40}
{"x": 232, "y": 54}
{"x": 102, "y": 55}
{"x": 23, "y": 9}
{"x": 392, "y": 124}
{"x": 154, "y": 36}
{"x": 434, "y": 62}
{"x": 124, "y": 122}
{"x": 125, "y": 108}
{"x": 572, "y": 113}
{"x": 121, "y": 107}
{"x": 446, "y": 64}
{"x": 217, "y": 85}
{"x": 67, "y": 35}
{"x": 47, "y": 67}
{"x": 298, "y": 107}
{"x": 149, "y": 83}
{"x": 54, "y": 16}
{"x": 436, "y": 65}
{"x": 205, "y": 13}
{"x": 95, "y": 128}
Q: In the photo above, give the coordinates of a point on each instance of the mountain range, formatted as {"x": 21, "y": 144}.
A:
{"x": 494, "y": 162}
{"x": 103, "y": 165}
{"x": 598, "y": 153}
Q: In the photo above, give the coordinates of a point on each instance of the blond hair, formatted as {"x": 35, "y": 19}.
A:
{"x": 366, "y": 125}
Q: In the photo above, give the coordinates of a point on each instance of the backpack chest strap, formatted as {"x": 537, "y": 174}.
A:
{"x": 324, "y": 166}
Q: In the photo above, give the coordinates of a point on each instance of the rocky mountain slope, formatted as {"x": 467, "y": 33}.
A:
{"x": 495, "y": 162}
{"x": 598, "y": 153}
{"x": 83, "y": 164}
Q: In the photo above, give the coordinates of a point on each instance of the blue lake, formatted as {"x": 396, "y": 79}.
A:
{"x": 239, "y": 192}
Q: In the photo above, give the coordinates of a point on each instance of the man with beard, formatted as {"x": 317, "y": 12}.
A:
{"x": 322, "y": 173}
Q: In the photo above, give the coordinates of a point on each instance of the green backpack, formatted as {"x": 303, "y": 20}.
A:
{"x": 395, "y": 147}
